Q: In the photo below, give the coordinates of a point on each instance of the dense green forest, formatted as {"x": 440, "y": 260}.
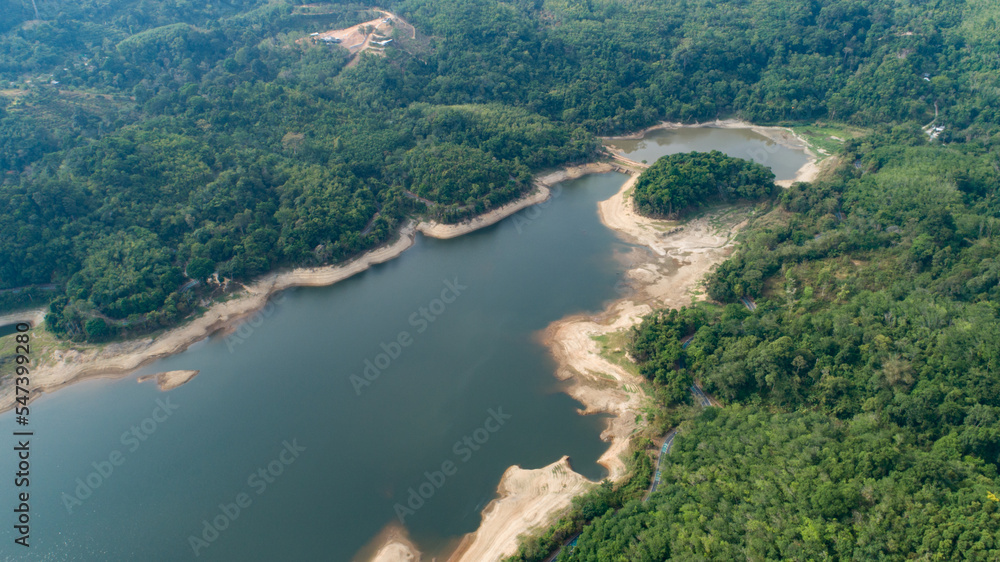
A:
{"x": 748, "y": 484}
{"x": 678, "y": 182}
{"x": 144, "y": 145}
{"x": 862, "y": 394}
{"x": 232, "y": 150}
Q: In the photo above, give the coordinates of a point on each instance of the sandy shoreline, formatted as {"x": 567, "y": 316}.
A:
{"x": 34, "y": 317}
{"x": 528, "y": 500}
{"x": 541, "y": 193}
{"x": 781, "y": 135}
{"x": 445, "y": 231}
{"x": 170, "y": 379}
{"x": 84, "y": 362}
{"x": 666, "y": 275}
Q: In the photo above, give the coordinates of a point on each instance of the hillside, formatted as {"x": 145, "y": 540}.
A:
{"x": 155, "y": 155}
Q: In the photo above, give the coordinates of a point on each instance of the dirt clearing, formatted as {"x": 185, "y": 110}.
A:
{"x": 372, "y": 35}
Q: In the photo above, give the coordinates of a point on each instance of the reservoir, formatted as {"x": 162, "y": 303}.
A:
{"x": 308, "y": 425}
{"x": 738, "y": 143}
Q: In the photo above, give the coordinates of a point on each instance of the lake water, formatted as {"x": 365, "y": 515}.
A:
{"x": 739, "y": 143}
{"x": 8, "y": 330}
{"x": 294, "y": 459}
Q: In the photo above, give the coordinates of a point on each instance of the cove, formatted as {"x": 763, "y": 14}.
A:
{"x": 275, "y": 451}
{"x": 288, "y": 379}
{"x": 738, "y": 143}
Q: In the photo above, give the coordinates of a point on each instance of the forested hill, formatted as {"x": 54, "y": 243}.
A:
{"x": 146, "y": 144}
{"x": 861, "y": 416}
{"x": 677, "y": 183}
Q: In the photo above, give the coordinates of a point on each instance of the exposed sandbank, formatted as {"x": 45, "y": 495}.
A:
{"x": 81, "y": 362}
{"x": 528, "y": 500}
{"x": 445, "y": 231}
{"x": 170, "y": 379}
{"x": 541, "y": 193}
{"x": 666, "y": 274}
{"x": 392, "y": 544}
{"x": 33, "y": 316}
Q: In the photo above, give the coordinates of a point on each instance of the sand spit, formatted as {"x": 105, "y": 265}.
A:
{"x": 170, "y": 379}
{"x": 444, "y": 231}
{"x": 392, "y": 544}
{"x": 666, "y": 273}
{"x": 528, "y": 500}
{"x": 34, "y": 317}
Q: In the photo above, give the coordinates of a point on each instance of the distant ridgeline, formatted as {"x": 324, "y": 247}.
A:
{"x": 678, "y": 183}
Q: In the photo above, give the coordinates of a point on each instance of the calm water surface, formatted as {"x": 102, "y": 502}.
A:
{"x": 119, "y": 472}
{"x": 290, "y": 379}
{"x": 739, "y": 143}
{"x": 8, "y": 330}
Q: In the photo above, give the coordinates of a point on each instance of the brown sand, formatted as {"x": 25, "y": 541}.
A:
{"x": 170, "y": 379}
{"x": 528, "y": 500}
{"x": 666, "y": 276}
{"x": 80, "y": 362}
{"x": 34, "y": 317}
{"x": 438, "y": 230}
{"x": 391, "y": 545}
{"x": 541, "y": 193}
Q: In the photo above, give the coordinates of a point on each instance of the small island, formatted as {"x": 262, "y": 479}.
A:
{"x": 170, "y": 379}
{"x": 679, "y": 183}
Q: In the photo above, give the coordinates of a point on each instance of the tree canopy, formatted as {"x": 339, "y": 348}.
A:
{"x": 224, "y": 134}
{"x": 145, "y": 146}
{"x": 861, "y": 396}
{"x": 678, "y": 182}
